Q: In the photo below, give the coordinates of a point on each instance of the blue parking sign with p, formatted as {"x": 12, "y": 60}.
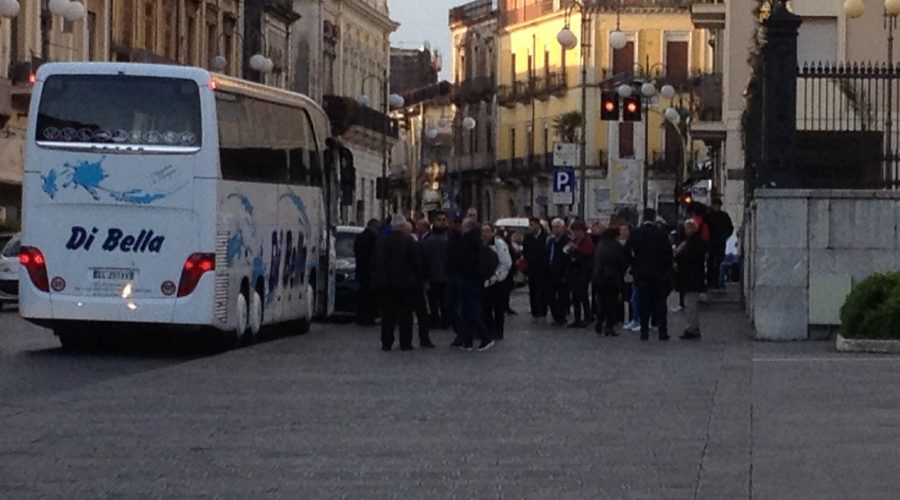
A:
{"x": 563, "y": 186}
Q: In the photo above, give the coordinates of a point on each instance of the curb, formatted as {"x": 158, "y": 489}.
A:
{"x": 867, "y": 345}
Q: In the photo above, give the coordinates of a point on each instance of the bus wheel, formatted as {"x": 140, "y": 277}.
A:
{"x": 72, "y": 341}
{"x": 255, "y": 315}
{"x": 310, "y": 299}
{"x": 241, "y": 319}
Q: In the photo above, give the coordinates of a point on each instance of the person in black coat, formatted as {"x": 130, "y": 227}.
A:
{"x": 720, "y": 229}
{"x": 396, "y": 278}
{"x": 537, "y": 267}
{"x": 608, "y": 280}
{"x": 558, "y": 294}
{"x": 650, "y": 254}
{"x": 690, "y": 257}
{"x": 363, "y": 252}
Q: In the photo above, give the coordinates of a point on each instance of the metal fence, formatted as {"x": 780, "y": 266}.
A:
{"x": 847, "y": 126}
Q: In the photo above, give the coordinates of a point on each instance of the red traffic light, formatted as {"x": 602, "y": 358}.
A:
{"x": 631, "y": 109}
{"x": 609, "y": 106}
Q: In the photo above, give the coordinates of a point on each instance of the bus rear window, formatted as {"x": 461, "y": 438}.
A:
{"x": 119, "y": 109}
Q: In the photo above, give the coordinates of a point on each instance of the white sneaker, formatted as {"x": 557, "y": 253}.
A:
{"x": 635, "y": 328}
{"x": 675, "y": 309}
{"x": 629, "y": 325}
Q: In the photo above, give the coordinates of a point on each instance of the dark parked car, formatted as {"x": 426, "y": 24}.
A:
{"x": 346, "y": 286}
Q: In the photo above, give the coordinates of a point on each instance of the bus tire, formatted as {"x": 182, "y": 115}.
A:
{"x": 310, "y": 297}
{"x": 241, "y": 320}
{"x": 254, "y": 316}
{"x": 72, "y": 341}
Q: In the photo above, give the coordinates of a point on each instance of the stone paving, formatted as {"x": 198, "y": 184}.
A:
{"x": 549, "y": 413}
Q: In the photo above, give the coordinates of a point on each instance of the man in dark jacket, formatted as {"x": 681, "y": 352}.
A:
{"x": 434, "y": 249}
{"x": 537, "y": 267}
{"x": 720, "y": 229}
{"x": 580, "y": 251}
{"x": 608, "y": 280}
{"x": 690, "y": 257}
{"x": 464, "y": 271}
{"x": 395, "y": 278}
{"x": 558, "y": 272}
{"x": 650, "y": 254}
{"x": 363, "y": 251}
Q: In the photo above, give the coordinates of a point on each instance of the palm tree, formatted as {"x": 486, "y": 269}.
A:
{"x": 567, "y": 125}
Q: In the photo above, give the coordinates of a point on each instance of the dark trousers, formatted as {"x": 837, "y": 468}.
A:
{"x": 422, "y": 316}
{"x": 609, "y": 306}
{"x": 366, "y": 305}
{"x": 558, "y": 300}
{"x": 440, "y": 317}
{"x": 653, "y": 304}
{"x": 493, "y": 309}
{"x": 537, "y": 295}
{"x": 470, "y": 320}
{"x": 397, "y": 310}
{"x": 713, "y": 262}
{"x": 581, "y": 299}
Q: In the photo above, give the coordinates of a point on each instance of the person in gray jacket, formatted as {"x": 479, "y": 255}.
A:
{"x": 493, "y": 303}
{"x": 434, "y": 253}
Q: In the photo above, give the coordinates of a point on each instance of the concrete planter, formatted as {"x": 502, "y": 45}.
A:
{"x": 867, "y": 345}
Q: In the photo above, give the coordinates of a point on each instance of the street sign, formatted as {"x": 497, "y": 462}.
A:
{"x": 564, "y": 186}
{"x": 565, "y": 154}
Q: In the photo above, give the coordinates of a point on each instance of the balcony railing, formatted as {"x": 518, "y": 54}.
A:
{"x": 707, "y": 88}
{"x": 471, "y": 11}
{"x": 476, "y": 89}
{"x": 345, "y": 112}
{"x": 506, "y": 96}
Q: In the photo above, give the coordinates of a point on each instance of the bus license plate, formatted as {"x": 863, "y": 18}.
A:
{"x": 114, "y": 274}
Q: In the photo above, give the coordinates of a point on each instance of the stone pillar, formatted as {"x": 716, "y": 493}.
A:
{"x": 778, "y": 168}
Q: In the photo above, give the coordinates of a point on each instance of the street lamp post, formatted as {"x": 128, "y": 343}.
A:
{"x": 388, "y": 101}
{"x": 568, "y": 41}
{"x": 854, "y": 9}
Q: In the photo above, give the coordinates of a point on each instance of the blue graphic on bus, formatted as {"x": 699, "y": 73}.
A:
{"x": 90, "y": 176}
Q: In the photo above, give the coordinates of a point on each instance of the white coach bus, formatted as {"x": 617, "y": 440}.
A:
{"x": 169, "y": 196}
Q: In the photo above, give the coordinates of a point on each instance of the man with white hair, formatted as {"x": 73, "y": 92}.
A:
{"x": 558, "y": 296}
{"x": 690, "y": 259}
{"x": 395, "y": 277}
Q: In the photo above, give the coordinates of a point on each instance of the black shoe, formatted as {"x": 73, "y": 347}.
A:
{"x": 645, "y": 336}
{"x": 458, "y": 343}
{"x": 511, "y": 312}
{"x": 559, "y": 324}
{"x": 406, "y": 348}
{"x": 467, "y": 347}
{"x": 611, "y": 332}
{"x": 427, "y": 344}
{"x": 485, "y": 345}
{"x": 386, "y": 348}
{"x": 578, "y": 324}
{"x": 663, "y": 337}
{"x": 690, "y": 336}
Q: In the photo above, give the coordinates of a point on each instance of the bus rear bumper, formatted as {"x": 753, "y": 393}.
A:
{"x": 54, "y": 309}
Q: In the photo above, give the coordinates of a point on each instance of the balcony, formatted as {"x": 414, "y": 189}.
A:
{"x": 550, "y": 84}
{"x": 345, "y": 113}
{"x": 471, "y": 11}
{"x": 708, "y": 14}
{"x": 506, "y": 96}
{"x": 526, "y": 12}
{"x": 708, "y": 97}
{"x": 473, "y": 90}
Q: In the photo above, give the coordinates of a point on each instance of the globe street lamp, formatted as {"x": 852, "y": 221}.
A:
{"x": 388, "y": 102}
{"x": 258, "y": 62}
{"x": 9, "y": 8}
{"x": 567, "y": 40}
{"x": 854, "y": 9}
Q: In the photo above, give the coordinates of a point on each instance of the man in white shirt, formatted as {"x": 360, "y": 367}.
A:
{"x": 493, "y": 300}
{"x": 732, "y": 257}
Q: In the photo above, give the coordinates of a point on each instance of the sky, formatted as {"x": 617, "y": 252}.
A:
{"x": 421, "y": 21}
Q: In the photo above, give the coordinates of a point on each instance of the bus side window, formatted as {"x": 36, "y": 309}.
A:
{"x": 253, "y": 139}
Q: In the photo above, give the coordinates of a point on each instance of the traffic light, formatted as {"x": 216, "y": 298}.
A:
{"x": 609, "y": 106}
{"x": 631, "y": 109}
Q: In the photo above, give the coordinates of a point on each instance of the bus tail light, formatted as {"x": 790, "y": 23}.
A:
{"x": 33, "y": 261}
{"x": 194, "y": 268}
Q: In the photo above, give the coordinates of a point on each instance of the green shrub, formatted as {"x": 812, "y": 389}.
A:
{"x": 872, "y": 310}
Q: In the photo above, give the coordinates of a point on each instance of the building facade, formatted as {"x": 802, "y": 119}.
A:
{"x": 540, "y": 82}
{"x": 473, "y": 31}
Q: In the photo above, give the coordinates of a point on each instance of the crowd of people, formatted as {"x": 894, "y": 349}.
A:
{"x": 448, "y": 272}
{"x": 454, "y": 272}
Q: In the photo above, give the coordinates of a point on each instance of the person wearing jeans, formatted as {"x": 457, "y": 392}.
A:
{"x": 690, "y": 257}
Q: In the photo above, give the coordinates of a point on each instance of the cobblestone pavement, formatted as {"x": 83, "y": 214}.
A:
{"x": 547, "y": 414}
